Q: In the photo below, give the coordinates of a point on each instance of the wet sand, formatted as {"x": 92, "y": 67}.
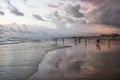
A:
{"x": 62, "y": 60}
{"x": 85, "y": 60}
{"x": 19, "y": 61}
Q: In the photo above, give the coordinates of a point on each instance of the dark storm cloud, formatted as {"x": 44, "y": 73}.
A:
{"x": 13, "y": 9}
{"x": 67, "y": 19}
{"x": 104, "y": 2}
{"x": 2, "y": 13}
{"x": 74, "y": 11}
{"x": 107, "y": 12}
{"x": 38, "y": 17}
{"x": 108, "y": 16}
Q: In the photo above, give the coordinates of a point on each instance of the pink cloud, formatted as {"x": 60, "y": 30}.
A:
{"x": 53, "y": 6}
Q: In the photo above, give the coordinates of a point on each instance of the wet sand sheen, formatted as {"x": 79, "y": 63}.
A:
{"x": 20, "y": 61}
{"x": 81, "y": 62}
{"x": 44, "y": 56}
{"x": 85, "y": 60}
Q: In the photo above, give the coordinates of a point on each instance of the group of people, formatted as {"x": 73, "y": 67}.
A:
{"x": 77, "y": 41}
{"x": 98, "y": 41}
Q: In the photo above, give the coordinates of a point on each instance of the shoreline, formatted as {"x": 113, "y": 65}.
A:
{"x": 47, "y": 52}
{"x": 22, "y": 60}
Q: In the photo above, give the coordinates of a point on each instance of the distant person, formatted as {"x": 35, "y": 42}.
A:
{"x": 55, "y": 40}
{"x": 79, "y": 40}
{"x": 75, "y": 40}
{"x": 63, "y": 40}
{"x": 109, "y": 41}
{"x": 98, "y": 40}
{"x": 98, "y": 46}
{"x": 85, "y": 42}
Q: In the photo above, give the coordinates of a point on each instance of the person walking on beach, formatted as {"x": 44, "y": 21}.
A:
{"x": 109, "y": 41}
{"x": 85, "y": 42}
{"x": 63, "y": 40}
{"x": 79, "y": 40}
{"x": 98, "y": 44}
{"x": 55, "y": 40}
{"x": 98, "y": 40}
{"x": 75, "y": 40}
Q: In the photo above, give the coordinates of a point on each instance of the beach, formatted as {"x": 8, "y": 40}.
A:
{"x": 83, "y": 61}
{"x": 20, "y": 60}
{"x": 61, "y": 60}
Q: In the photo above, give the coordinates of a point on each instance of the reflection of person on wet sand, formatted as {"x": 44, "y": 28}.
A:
{"x": 55, "y": 40}
{"x": 85, "y": 42}
{"x": 74, "y": 65}
{"x": 63, "y": 40}
{"x": 109, "y": 41}
{"x": 75, "y": 40}
{"x": 79, "y": 40}
{"x": 98, "y": 44}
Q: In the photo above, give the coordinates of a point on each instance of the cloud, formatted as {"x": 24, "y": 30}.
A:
{"x": 106, "y": 12}
{"x": 66, "y": 14}
{"x": 13, "y": 9}
{"x": 2, "y": 13}
{"x": 25, "y": 0}
{"x": 38, "y": 17}
{"x": 61, "y": 19}
{"x": 53, "y": 6}
{"x": 104, "y": 2}
{"x": 33, "y": 6}
{"x": 108, "y": 16}
{"x": 67, "y": 19}
{"x": 74, "y": 11}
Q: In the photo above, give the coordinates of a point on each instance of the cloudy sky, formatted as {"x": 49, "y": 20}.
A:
{"x": 64, "y": 17}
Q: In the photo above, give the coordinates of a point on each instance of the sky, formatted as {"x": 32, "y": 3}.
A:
{"x": 59, "y": 17}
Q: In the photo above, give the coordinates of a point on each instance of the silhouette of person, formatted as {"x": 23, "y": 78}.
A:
{"x": 109, "y": 41}
{"x": 79, "y": 40}
{"x": 75, "y": 40}
{"x": 98, "y": 46}
{"x": 85, "y": 42}
{"x": 98, "y": 40}
{"x": 63, "y": 40}
{"x": 55, "y": 40}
